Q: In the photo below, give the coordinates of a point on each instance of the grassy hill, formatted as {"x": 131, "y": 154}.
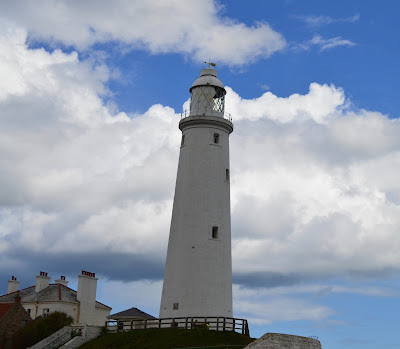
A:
{"x": 166, "y": 339}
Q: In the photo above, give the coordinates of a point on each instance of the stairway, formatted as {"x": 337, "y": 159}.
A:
{"x": 89, "y": 332}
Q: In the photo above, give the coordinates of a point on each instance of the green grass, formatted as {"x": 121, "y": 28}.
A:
{"x": 166, "y": 338}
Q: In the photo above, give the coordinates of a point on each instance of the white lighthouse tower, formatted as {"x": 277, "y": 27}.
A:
{"x": 198, "y": 271}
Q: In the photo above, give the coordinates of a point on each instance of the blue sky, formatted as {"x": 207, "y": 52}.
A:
{"x": 90, "y": 98}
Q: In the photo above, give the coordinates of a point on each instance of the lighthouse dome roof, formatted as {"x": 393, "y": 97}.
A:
{"x": 208, "y": 76}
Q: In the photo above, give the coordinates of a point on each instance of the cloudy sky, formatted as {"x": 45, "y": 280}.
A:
{"x": 90, "y": 99}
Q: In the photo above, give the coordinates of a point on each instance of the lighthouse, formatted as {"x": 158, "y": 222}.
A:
{"x": 198, "y": 270}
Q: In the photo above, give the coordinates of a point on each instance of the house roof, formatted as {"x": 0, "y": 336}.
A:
{"x": 131, "y": 313}
{"x": 52, "y": 293}
{"x": 4, "y": 308}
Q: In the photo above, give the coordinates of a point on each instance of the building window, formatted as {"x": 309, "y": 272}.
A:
{"x": 214, "y": 232}
{"x": 183, "y": 141}
{"x": 216, "y": 138}
{"x": 23, "y": 323}
{"x": 227, "y": 175}
{"x": 175, "y": 306}
{"x": 46, "y": 312}
{"x": 29, "y": 311}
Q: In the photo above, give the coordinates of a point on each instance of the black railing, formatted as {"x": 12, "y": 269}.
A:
{"x": 224, "y": 115}
{"x": 217, "y": 323}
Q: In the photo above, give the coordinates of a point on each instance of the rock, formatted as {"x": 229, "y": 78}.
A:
{"x": 284, "y": 341}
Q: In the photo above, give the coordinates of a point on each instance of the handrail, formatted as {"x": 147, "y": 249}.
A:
{"x": 58, "y": 340}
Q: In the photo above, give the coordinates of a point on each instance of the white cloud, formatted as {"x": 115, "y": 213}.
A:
{"x": 260, "y": 308}
{"x": 315, "y": 194}
{"x": 69, "y": 165}
{"x": 299, "y": 302}
{"x": 318, "y": 104}
{"x": 314, "y": 185}
{"x": 193, "y": 28}
{"x": 320, "y": 20}
{"x": 325, "y": 44}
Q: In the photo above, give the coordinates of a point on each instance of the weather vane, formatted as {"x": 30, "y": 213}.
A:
{"x": 210, "y": 64}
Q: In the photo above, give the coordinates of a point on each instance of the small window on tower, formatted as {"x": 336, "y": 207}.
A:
{"x": 175, "y": 306}
{"x": 227, "y": 175}
{"x": 183, "y": 141}
{"x": 214, "y": 233}
{"x": 216, "y": 138}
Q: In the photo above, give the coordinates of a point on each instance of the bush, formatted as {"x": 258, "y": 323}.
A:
{"x": 39, "y": 329}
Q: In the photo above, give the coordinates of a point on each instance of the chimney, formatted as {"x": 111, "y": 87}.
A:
{"x": 42, "y": 281}
{"x": 61, "y": 281}
{"x": 87, "y": 286}
{"x": 13, "y": 285}
{"x": 17, "y": 298}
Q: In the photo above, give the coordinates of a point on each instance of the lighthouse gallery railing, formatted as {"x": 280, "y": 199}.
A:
{"x": 224, "y": 115}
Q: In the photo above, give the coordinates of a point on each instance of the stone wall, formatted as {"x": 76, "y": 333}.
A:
{"x": 284, "y": 341}
{"x": 12, "y": 321}
{"x": 89, "y": 333}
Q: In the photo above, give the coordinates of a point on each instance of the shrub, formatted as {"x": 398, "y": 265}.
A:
{"x": 39, "y": 329}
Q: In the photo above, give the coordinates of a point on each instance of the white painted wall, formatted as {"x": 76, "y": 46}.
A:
{"x": 198, "y": 271}
{"x": 87, "y": 286}
{"x": 36, "y": 309}
{"x": 71, "y": 309}
{"x": 100, "y": 316}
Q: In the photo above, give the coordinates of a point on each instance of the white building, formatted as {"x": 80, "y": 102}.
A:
{"x": 198, "y": 271}
{"x": 44, "y": 298}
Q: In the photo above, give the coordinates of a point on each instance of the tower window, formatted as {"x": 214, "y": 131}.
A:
{"x": 216, "y": 138}
{"x": 214, "y": 233}
{"x": 227, "y": 175}
{"x": 183, "y": 141}
{"x": 175, "y": 306}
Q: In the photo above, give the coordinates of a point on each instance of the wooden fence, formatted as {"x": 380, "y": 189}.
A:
{"x": 217, "y": 323}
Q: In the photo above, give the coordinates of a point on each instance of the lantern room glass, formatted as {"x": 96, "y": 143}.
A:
{"x": 207, "y": 100}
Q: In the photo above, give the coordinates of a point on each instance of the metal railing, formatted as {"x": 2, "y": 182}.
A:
{"x": 217, "y": 323}
{"x": 224, "y": 115}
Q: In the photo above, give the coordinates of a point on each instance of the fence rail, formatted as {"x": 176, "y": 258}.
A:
{"x": 217, "y": 323}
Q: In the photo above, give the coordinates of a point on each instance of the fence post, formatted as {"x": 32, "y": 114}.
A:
{"x": 223, "y": 326}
